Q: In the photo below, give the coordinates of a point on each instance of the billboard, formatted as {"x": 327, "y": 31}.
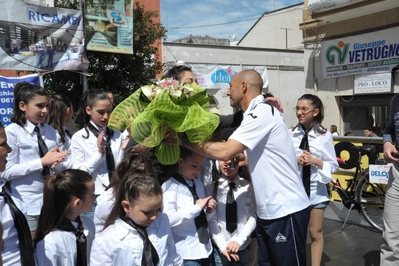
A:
{"x": 7, "y": 94}
{"x": 219, "y": 76}
{"x": 360, "y": 54}
{"x": 41, "y": 38}
{"x": 109, "y": 26}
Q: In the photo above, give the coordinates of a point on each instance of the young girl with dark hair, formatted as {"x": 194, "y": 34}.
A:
{"x": 185, "y": 203}
{"x": 63, "y": 236}
{"x": 136, "y": 232}
{"x": 133, "y": 162}
{"x": 236, "y": 200}
{"x": 60, "y": 112}
{"x": 35, "y": 150}
{"x": 317, "y": 161}
{"x": 95, "y": 148}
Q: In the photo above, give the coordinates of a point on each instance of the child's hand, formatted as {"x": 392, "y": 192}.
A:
{"x": 53, "y": 156}
{"x": 233, "y": 247}
{"x": 230, "y": 256}
{"x": 101, "y": 143}
{"x": 203, "y": 202}
{"x": 211, "y": 206}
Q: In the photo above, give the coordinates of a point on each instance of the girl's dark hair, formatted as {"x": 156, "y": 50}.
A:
{"x": 58, "y": 105}
{"x": 184, "y": 154}
{"x": 317, "y": 104}
{"x": 89, "y": 99}
{"x": 58, "y": 192}
{"x": 133, "y": 186}
{"x": 176, "y": 72}
{"x": 24, "y": 92}
{"x": 133, "y": 162}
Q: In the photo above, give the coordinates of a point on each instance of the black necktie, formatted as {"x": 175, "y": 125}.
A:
{"x": 306, "y": 168}
{"x": 150, "y": 255}
{"x": 24, "y": 237}
{"x": 67, "y": 132}
{"x": 201, "y": 223}
{"x": 81, "y": 242}
{"x": 109, "y": 156}
{"x": 231, "y": 209}
{"x": 42, "y": 150}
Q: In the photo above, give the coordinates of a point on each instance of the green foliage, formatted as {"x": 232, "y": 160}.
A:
{"x": 119, "y": 73}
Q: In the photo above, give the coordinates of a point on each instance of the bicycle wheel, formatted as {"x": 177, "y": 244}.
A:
{"x": 371, "y": 197}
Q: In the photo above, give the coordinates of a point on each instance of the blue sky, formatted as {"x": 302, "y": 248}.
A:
{"x": 216, "y": 18}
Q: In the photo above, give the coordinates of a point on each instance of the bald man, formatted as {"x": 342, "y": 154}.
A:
{"x": 282, "y": 203}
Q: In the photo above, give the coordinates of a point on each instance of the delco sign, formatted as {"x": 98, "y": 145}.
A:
{"x": 379, "y": 173}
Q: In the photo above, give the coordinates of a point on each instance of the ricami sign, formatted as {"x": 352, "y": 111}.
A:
{"x": 361, "y": 54}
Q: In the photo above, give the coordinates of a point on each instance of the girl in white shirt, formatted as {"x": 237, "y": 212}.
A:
{"x": 28, "y": 161}
{"x": 17, "y": 248}
{"x": 61, "y": 112}
{"x": 136, "y": 232}
{"x": 133, "y": 162}
{"x": 321, "y": 159}
{"x": 95, "y": 148}
{"x": 186, "y": 210}
{"x": 233, "y": 245}
{"x": 64, "y": 237}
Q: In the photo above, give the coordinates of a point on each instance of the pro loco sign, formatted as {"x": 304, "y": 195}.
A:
{"x": 361, "y": 54}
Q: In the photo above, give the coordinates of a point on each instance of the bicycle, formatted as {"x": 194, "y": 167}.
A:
{"x": 365, "y": 197}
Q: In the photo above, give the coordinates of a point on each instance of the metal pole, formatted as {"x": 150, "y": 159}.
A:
{"x": 286, "y": 36}
{"x": 83, "y": 74}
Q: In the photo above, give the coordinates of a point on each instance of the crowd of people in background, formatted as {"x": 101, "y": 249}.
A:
{"x": 98, "y": 198}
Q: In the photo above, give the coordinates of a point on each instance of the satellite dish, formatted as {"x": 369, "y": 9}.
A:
{"x": 234, "y": 36}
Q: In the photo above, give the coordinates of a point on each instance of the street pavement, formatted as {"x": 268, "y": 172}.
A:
{"x": 357, "y": 245}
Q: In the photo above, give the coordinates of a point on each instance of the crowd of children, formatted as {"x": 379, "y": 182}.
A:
{"x": 84, "y": 200}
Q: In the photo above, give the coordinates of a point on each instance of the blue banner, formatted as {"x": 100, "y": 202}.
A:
{"x": 7, "y": 94}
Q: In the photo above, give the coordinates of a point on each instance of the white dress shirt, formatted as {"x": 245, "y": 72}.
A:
{"x": 10, "y": 253}
{"x": 120, "y": 244}
{"x": 104, "y": 205}
{"x": 246, "y": 216}
{"x": 322, "y": 147}
{"x": 85, "y": 156}
{"x": 58, "y": 248}
{"x": 65, "y": 147}
{"x": 24, "y": 166}
{"x": 178, "y": 204}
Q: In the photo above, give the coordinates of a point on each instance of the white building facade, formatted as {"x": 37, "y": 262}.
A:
{"x": 282, "y": 70}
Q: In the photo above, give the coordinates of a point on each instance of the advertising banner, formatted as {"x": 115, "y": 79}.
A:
{"x": 109, "y": 26}
{"x": 319, "y": 6}
{"x": 219, "y": 76}
{"x": 41, "y": 38}
{"x": 40, "y": 2}
{"x": 7, "y": 93}
{"x": 360, "y": 54}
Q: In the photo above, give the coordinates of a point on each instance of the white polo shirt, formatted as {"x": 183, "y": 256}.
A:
{"x": 271, "y": 160}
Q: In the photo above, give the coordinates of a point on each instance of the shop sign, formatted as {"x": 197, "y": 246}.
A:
{"x": 370, "y": 53}
{"x": 374, "y": 83}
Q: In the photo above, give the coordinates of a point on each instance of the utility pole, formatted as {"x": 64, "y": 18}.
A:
{"x": 286, "y": 36}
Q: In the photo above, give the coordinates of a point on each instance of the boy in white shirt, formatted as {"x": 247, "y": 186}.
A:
{"x": 234, "y": 245}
